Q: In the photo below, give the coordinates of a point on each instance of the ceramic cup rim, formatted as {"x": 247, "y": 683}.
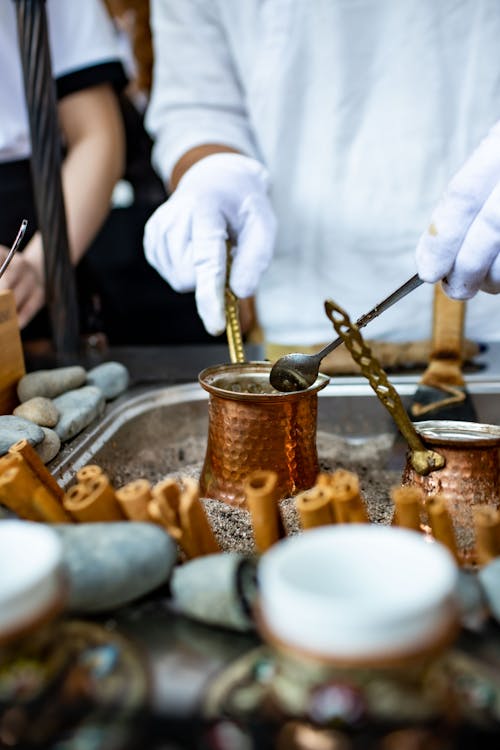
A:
{"x": 354, "y": 620}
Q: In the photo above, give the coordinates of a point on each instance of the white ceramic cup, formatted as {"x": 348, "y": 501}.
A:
{"x": 356, "y": 592}
{"x": 31, "y": 575}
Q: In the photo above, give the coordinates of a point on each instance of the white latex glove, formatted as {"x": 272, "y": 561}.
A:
{"x": 185, "y": 239}
{"x": 462, "y": 244}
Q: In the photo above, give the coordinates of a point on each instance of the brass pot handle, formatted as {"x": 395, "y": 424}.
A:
{"x": 233, "y": 330}
{"x": 422, "y": 459}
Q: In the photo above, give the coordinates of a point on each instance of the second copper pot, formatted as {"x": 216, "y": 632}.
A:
{"x": 471, "y": 474}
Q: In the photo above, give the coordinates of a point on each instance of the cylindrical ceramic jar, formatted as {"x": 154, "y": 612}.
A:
{"x": 33, "y": 583}
{"x": 360, "y": 609}
{"x": 253, "y": 426}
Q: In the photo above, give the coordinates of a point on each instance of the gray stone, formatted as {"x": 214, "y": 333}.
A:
{"x": 111, "y": 564}
{"x": 78, "y": 409}
{"x": 489, "y": 578}
{"x": 40, "y": 410}
{"x": 50, "y": 445}
{"x": 50, "y": 383}
{"x": 209, "y": 589}
{"x": 111, "y": 377}
{"x": 471, "y": 601}
{"x": 14, "y": 428}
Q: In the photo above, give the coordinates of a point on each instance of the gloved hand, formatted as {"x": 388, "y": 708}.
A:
{"x": 462, "y": 244}
{"x": 221, "y": 195}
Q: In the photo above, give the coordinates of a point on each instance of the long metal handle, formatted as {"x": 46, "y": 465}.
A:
{"x": 422, "y": 459}
{"x": 386, "y": 303}
{"x": 233, "y": 330}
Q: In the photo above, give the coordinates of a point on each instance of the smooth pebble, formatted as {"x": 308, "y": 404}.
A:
{"x": 39, "y": 410}
{"x": 489, "y": 578}
{"x": 210, "y": 588}
{"x": 111, "y": 564}
{"x": 78, "y": 409}
{"x": 14, "y": 428}
{"x": 111, "y": 377}
{"x": 50, "y": 445}
{"x": 50, "y": 383}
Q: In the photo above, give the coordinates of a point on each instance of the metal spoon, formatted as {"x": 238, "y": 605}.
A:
{"x": 296, "y": 372}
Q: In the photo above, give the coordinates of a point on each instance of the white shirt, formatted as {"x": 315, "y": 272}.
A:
{"x": 362, "y": 110}
{"x": 81, "y": 35}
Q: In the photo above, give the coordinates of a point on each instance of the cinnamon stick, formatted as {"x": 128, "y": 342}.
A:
{"x": 48, "y": 507}
{"x": 164, "y": 508}
{"x": 194, "y": 522}
{"x": 347, "y": 500}
{"x": 23, "y": 492}
{"x": 38, "y": 468}
{"x": 133, "y": 498}
{"x": 487, "y": 533}
{"x": 441, "y": 523}
{"x": 408, "y": 502}
{"x": 88, "y": 473}
{"x": 93, "y": 501}
{"x": 180, "y": 511}
{"x": 314, "y": 507}
{"x": 156, "y": 515}
{"x": 262, "y": 500}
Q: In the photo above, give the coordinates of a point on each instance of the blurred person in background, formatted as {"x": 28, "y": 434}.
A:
{"x": 87, "y": 71}
{"x": 135, "y": 306}
{"x": 319, "y": 135}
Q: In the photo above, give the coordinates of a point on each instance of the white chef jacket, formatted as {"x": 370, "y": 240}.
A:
{"x": 84, "y": 52}
{"x": 362, "y": 110}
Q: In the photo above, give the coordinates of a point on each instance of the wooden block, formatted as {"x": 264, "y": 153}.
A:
{"x": 11, "y": 353}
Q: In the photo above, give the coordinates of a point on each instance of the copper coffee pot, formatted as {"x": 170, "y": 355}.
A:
{"x": 252, "y": 426}
{"x": 465, "y": 465}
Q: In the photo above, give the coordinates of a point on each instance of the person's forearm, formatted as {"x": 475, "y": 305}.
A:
{"x": 94, "y": 163}
{"x": 192, "y": 156}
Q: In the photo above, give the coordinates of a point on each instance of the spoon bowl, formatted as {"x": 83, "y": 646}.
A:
{"x": 295, "y": 372}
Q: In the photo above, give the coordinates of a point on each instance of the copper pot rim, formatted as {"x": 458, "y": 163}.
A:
{"x": 208, "y": 376}
{"x": 447, "y": 432}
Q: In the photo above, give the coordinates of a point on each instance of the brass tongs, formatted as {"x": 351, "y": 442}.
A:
{"x": 422, "y": 459}
{"x": 233, "y": 329}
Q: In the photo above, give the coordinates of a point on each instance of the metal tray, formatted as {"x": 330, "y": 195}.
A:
{"x": 156, "y": 430}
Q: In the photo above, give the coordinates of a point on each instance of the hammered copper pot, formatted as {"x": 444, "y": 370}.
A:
{"x": 252, "y": 426}
{"x": 471, "y": 474}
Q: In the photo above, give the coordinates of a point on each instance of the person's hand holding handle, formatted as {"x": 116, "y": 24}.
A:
{"x": 221, "y": 195}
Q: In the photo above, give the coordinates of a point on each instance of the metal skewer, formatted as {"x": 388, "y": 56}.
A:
{"x": 15, "y": 245}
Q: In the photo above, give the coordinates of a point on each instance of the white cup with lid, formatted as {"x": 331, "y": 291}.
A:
{"x": 32, "y": 583}
{"x": 358, "y": 594}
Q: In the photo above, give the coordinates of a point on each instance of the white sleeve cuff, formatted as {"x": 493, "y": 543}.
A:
{"x": 190, "y": 127}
